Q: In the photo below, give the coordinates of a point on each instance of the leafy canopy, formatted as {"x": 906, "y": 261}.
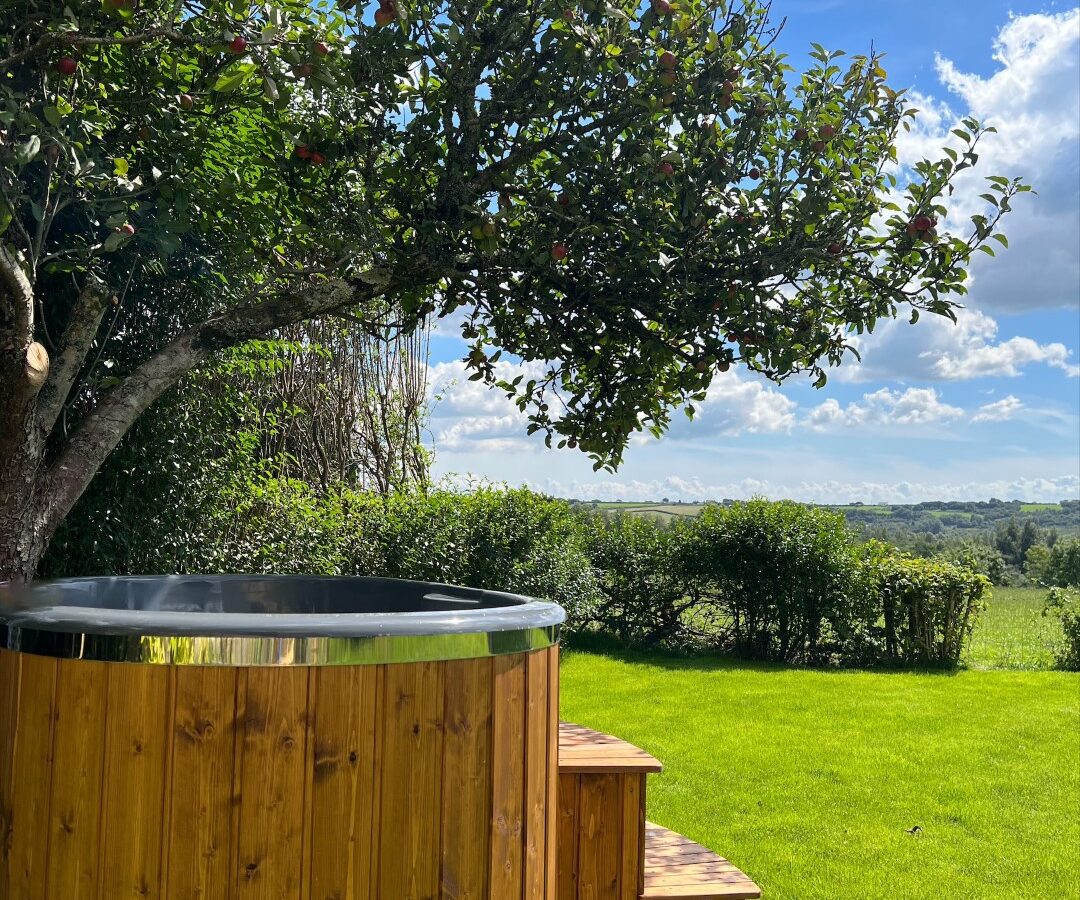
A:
{"x": 638, "y": 197}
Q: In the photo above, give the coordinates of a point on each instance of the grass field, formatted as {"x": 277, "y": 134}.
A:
{"x": 1013, "y": 633}
{"x": 813, "y": 782}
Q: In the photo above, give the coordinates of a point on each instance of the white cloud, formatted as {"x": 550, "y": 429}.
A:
{"x": 735, "y": 405}
{"x": 999, "y": 411}
{"x": 1033, "y": 99}
{"x": 1046, "y": 490}
{"x": 1004, "y": 359}
{"x": 467, "y": 415}
{"x": 938, "y": 350}
{"x": 915, "y": 406}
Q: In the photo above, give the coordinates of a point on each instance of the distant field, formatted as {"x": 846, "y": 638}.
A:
{"x": 962, "y": 518}
{"x": 1013, "y": 633}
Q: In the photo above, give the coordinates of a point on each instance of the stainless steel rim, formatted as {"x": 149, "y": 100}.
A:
{"x": 246, "y": 650}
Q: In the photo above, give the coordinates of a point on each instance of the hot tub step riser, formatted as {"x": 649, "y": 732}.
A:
{"x": 389, "y": 781}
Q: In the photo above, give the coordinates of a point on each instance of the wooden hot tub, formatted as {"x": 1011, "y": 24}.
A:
{"x": 212, "y": 738}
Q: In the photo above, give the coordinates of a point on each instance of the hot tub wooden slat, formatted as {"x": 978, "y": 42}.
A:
{"x": 200, "y": 819}
{"x": 411, "y": 781}
{"x": 242, "y": 785}
{"x": 32, "y": 777}
{"x": 343, "y": 787}
{"x": 466, "y": 800}
{"x": 536, "y": 764}
{"x": 273, "y": 715}
{"x": 134, "y": 786}
{"x": 75, "y": 809}
{"x": 508, "y": 754}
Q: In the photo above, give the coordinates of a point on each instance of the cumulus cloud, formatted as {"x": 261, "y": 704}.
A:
{"x": 1046, "y": 490}
{"x": 998, "y": 411}
{"x": 467, "y": 415}
{"x": 1033, "y": 99}
{"x": 915, "y": 406}
{"x": 938, "y": 350}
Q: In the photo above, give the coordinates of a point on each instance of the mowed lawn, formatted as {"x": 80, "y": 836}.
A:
{"x": 854, "y": 784}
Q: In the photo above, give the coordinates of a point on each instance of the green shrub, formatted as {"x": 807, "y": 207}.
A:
{"x": 925, "y": 609}
{"x": 777, "y": 573}
{"x": 1065, "y": 604}
{"x": 510, "y": 540}
{"x": 644, "y": 591}
{"x": 982, "y": 558}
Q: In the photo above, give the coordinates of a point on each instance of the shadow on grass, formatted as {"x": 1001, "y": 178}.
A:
{"x": 704, "y": 660}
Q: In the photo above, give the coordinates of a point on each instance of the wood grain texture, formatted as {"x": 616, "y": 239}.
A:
{"x": 402, "y": 782}
{"x": 508, "y": 732}
{"x": 32, "y": 770}
{"x": 133, "y": 789}
{"x": 200, "y": 818}
{"x": 466, "y": 800}
{"x": 75, "y": 808}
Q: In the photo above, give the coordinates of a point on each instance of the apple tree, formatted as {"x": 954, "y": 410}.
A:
{"x": 639, "y": 196}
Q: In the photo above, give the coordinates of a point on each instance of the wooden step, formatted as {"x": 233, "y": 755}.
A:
{"x": 676, "y": 867}
{"x": 586, "y": 751}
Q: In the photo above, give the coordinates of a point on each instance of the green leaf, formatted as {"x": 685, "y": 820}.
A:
{"x": 52, "y": 116}
{"x": 5, "y": 215}
{"x": 232, "y": 80}
{"x": 120, "y": 166}
{"x": 26, "y": 152}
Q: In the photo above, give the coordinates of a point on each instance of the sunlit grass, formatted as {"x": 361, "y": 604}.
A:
{"x": 850, "y": 784}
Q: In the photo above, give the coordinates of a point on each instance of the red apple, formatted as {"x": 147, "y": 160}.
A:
{"x": 321, "y": 48}
{"x": 668, "y": 78}
{"x": 661, "y": 7}
{"x": 754, "y": 173}
{"x": 127, "y": 229}
{"x": 835, "y": 249}
{"x": 66, "y": 65}
{"x": 723, "y": 365}
{"x": 383, "y": 17}
{"x": 923, "y": 223}
{"x": 728, "y": 88}
{"x": 303, "y": 70}
{"x": 666, "y": 169}
{"x": 563, "y": 200}
{"x": 827, "y": 132}
{"x": 800, "y": 134}
{"x": 568, "y": 15}
{"x": 668, "y": 60}
{"x": 238, "y": 44}
{"x": 622, "y": 82}
{"x": 116, "y": 4}
{"x": 317, "y": 159}
{"x": 145, "y": 134}
{"x": 187, "y": 102}
{"x": 818, "y": 146}
{"x": 559, "y": 252}
{"x": 911, "y": 230}
{"x": 731, "y": 337}
{"x": 302, "y": 151}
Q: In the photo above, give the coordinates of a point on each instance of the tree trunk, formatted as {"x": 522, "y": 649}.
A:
{"x": 23, "y": 531}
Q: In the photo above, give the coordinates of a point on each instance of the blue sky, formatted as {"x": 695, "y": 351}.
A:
{"x": 990, "y": 407}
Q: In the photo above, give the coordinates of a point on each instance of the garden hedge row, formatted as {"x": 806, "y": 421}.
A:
{"x": 769, "y": 581}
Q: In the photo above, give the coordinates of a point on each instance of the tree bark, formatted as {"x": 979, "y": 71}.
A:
{"x": 36, "y": 496}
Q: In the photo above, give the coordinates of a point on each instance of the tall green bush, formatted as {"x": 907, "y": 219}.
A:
{"x": 645, "y": 592}
{"x": 926, "y": 609}
{"x": 778, "y": 573}
{"x": 1063, "y": 566}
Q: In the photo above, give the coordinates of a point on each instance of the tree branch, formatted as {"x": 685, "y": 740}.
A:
{"x": 74, "y": 346}
{"x": 102, "y": 429}
{"x": 16, "y": 290}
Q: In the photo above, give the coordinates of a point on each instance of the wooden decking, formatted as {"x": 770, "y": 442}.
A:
{"x": 585, "y": 750}
{"x": 676, "y": 867}
{"x": 606, "y": 849}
